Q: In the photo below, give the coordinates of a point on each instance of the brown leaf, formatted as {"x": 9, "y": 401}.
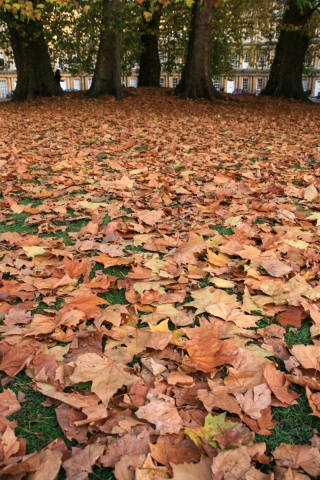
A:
{"x": 277, "y": 382}
{"x": 205, "y": 349}
{"x": 150, "y": 217}
{"x": 275, "y": 268}
{"x": 185, "y": 255}
{"x": 263, "y": 425}
{"x": 125, "y": 467}
{"x": 314, "y": 402}
{"x": 296, "y": 456}
{"x": 106, "y": 375}
{"x": 255, "y": 400}
{"x": 76, "y": 269}
{"x": 192, "y": 471}
{"x": 233, "y": 462}
{"x": 128, "y": 444}
{"x": 307, "y": 355}
{"x": 14, "y": 358}
{"x": 237, "y": 436}
{"x": 163, "y": 414}
{"x": 50, "y": 463}
{"x": 219, "y": 398}
{"x": 80, "y": 464}
{"x": 166, "y": 450}
{"x": 87, "y": 303}
{"x": 8, "y": 403}
{"x": 292, "y": 316}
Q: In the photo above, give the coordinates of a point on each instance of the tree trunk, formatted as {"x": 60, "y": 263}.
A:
{"x": 150, "y": 67}
{"x": 31, "y": 56}
{"x": 287, "y": 67}
{"x": 196, "y": 79}
{"x": 107, "y": 74}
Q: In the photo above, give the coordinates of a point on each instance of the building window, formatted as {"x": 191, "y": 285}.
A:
{"x": 216, "y": 84}
{"x": 174, "y": 82}
{"x": 259, "y": 83}
{"x": 89, "y": 82}
{"x": 262, "y": 59}
{"x": 3, "y": 86}
{"x": 245, "y": 83}
{"x": 305, "y": 84}
{"x": 246, "y": 58}
{"x": 133, "y": 82}
{"x": 161, "y": 82}
{"x": 76, "y": 84}
{"x": 161, "y": 58}
{"x": 233, "y": 60}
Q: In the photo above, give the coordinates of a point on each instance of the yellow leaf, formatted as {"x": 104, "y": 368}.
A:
{"x": 147, "y": 16}
{"x": 222, "y": 283}
{"x": 233, "y": 221}
{"x": 34, "y": 251}
{"x": 297, "y": 244}
{"x": 258, "y": 352}
{"x": 219, "y": 260}
{"x": 315, "y": 216}
{"x": 162, "y": 327}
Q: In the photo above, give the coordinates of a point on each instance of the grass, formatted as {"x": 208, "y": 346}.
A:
{"x": 225, "y": 231}
{"x": 295, "y": 424}
{"x": 16, "y": 224}
{"x": 295, "y": 336}
{"x": 36, "y": 424}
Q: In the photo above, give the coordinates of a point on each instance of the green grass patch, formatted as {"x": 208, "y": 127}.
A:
{"x": 225, "y": 231}
{"x": 17, "y": 224}
{"x": 295, "y": 424}
{"x": 115, "y": 297}
{"x": 295, "y": 336}
{"x": 38, "y": 425}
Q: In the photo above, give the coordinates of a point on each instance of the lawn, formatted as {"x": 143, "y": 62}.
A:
{"x": 159, "y": 288}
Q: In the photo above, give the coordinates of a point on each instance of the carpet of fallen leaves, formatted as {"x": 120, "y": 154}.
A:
{"x": 197, "y": 222}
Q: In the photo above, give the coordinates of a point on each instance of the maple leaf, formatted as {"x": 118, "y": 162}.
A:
{"x": 307, "y": 355}
{"x": 296, "y": 456}
{"x": 150, "y": 217}
{"x": 277, "y": 382}
{"x": 204, "y": 348}
{"x": 14, "y": 358}
{"x": 207, "y": 296}
{"x": 87, "y": 303}
{"x": 80, "y": 464}
{"x": 186, "y": 254}
{"x": 166, "y": 451}
{"x": 255, "y": 400}
{"x": 128, "y": 444}
{"x": 163, "y": 414}
{"x": 190, "y": 471}
{"x": 219, "y": 398}
{"x": 8, "y": 403}
{"x": 233, "y": 462}
{"x": 275, "y": 268}
{"x": 106, "y": 375}
{"x": 213, "y": 426}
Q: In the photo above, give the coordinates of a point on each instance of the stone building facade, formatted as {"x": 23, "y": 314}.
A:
{"x": 245, "y": 78}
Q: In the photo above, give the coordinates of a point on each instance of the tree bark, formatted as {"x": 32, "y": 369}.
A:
{"x": 107, "y": 74}
{"x": 150, "y": 66}
{"x": 196, "y": 79}
{"x": 31, "y": 56}
{"x": 287, "y": 67}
